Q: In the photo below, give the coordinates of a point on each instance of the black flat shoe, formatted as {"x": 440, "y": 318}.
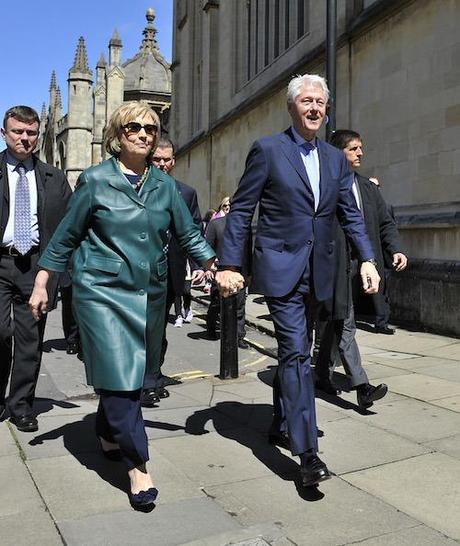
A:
{"x": 149, "y": 398}
{"x": 280, "y": 440}
{"x": 161, "y": 392}
{"x": 73, "y": 348}
{"x": 367, "y": 394}
{"x": 313, "y": 471}
{"x": 385, "y": 330}
{"x": 25, "y": 423}
{"x": 144, "y": 501}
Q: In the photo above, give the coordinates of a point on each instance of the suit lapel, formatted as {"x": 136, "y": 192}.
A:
{"x": 291, "y": 151}
{"x": 117, "y": 180}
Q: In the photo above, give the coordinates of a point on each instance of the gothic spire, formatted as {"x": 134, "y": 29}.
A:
{"x": 81, "y": 59}
{"x": 101, "y": 62}
{"x": 115, "y": 40}
{"x": 43, "y": 113}
{"x": 58, "y": 103}
{"x": 149, "y": 32}
{"x": 53, "y": 81}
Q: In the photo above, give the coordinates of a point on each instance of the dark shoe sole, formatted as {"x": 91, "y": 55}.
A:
{"x": 31, "y": 428}
{"x": 378, "y": 394}
{"x": 162, "y": 393}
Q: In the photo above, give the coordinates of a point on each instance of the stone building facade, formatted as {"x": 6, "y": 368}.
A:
{"x": 74, "y": 141}
{"x": 398, "y": 84}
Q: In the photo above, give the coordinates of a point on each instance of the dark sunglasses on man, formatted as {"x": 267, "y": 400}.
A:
{"x": 133, "y": 128}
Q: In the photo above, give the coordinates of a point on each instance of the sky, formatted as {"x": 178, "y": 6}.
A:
{"x": 38, "y": 37}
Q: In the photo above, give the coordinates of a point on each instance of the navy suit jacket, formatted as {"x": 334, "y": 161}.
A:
{"x": 291, "y": 236}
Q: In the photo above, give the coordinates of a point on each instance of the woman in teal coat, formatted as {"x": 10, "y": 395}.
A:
{"x": 116, "y": 229}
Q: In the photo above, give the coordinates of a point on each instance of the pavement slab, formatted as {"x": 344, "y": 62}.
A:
{"x": 319, "y": 517}
{"x": 423, "y": 387}
{"x": 60, "y": 435}
{"x": 37, "y": 528}
{"x": 449, "y": 446}
{"x": 198, "y": 390}
{"x": 414, "y": 420}
{"x": 183, "y": 421}
{"x": 380, "y": 371}
{"x": 452, "y": 350}
{"x": 19, "y": 495}
{"x": 452, "y": 403}
{"x": 350, "y": 445}
{"x": 421, "y": 535}
{"x": 7, "y": 444}
{"x": 77, "y": 486}
{"x": 412, "y": 363}
{"x": 447, "y": 369}
{"x": 425, "y": 487}
{"x": 411, "y": 342}
{"x": 209, "y": 459}
{"x": 254, "y": 535}
{"x": 168, "y": 525}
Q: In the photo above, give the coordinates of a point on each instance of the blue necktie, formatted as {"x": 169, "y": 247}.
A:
{"x": 312, "y": 171}
{"x": 22, "y": 227}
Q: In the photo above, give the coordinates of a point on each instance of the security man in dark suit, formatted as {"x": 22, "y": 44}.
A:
{"x": 163, "y": 158}
{"x": 299, "y": 183}
{"x": 338, "y": 335}
{"x": 34, "y": 197}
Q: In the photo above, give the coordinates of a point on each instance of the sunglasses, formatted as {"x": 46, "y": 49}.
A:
{"x": 133, "y": 128}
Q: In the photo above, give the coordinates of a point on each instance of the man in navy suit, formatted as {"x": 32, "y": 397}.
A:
{"x": 300, "y": 183}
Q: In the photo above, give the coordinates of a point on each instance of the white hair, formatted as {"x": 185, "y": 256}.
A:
{"x": 307, "y": 79}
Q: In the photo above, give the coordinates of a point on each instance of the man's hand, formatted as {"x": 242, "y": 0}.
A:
{"x": 39, "y": 297}
{"x": 197, "y": 276}
{"x": 229, "y": 282}
{"x": 399, "y": 261}
{"x": 369, "y": 277}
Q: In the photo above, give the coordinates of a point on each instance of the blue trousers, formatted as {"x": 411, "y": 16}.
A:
{"x": 119, "y": 420}
{"x": 293, "y": 389}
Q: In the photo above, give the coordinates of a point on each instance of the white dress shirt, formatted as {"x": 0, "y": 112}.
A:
{"x": 13, "y": 177}
{"x": 311, "y": 164}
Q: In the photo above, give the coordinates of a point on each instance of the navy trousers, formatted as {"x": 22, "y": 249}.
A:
{"x": 293, "y": 389}
{"x": 119, "y": 420}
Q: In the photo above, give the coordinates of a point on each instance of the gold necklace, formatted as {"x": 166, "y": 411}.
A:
{"x": 142, "y": 179}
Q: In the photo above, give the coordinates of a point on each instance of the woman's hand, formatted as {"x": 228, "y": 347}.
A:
{"x": 39, "y": 299}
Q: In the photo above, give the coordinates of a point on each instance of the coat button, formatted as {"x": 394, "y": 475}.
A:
{"x": 143, "y": 235}
{"x": 309, "y": 242}
{"x": 141, "y": 292}
{"x": 143, "y": 264}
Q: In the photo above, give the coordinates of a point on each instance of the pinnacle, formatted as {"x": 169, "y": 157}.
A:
{"x": 81, "y": 60}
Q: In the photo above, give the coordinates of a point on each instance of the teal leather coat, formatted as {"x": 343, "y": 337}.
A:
{"x": 118, "y": 239}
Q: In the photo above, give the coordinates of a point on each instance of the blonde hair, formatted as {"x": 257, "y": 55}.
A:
{"x": 225, "y": 200}
{"x": 121, "y": 116}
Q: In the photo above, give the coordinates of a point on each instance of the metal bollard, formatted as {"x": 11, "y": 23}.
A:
{"x": 228, "y": 338}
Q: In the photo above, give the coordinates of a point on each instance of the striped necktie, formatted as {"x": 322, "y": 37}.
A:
{"x": 22, "y": 222}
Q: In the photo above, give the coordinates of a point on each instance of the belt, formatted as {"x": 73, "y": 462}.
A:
{"x": 14, "y": 253}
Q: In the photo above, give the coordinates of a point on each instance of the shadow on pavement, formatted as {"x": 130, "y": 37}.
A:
{"x": 251, "y": 418}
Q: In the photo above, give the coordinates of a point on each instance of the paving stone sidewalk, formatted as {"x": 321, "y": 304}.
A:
{"x": 397, "y": 466}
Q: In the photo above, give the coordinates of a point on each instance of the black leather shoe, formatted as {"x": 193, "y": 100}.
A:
{"x": 144, "y": 501}
{"x": 242, "y": 344}
{"x": 73, "y": 348}
{"x": 161, "y": 392}
{"x": 25, "y": 423}
{"x": 280, "y": 440}
{"x": 149, "y": 398}
{"x": 385, "y": 330}
{"x": 313, "y": 471}
{"x": 212, "y": 334}
{"x": 328, "y": 388}
{"x": 367, "y": 394}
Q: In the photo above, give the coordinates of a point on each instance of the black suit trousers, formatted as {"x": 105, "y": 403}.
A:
{"x": 23, "y": 357}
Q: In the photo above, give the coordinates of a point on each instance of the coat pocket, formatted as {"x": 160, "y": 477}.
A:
{"x": 269, "y": 242}
{"x": 107, "y": 265}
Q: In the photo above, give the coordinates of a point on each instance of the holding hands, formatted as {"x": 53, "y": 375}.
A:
{"x": 229, "y": 282}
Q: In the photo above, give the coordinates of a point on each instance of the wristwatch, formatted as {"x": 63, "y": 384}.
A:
{"x": 372, "y": 261}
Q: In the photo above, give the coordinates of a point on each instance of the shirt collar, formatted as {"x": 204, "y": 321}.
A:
{"x": 300, "y": 140}
{"x": 12, "y": 162}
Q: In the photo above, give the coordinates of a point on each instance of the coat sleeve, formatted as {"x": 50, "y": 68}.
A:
{"x": 389, "y": 235}
{"x": 70, "y": 231}
{"x": 244, "y": 203}
{"x": 350, "y": 216}
{"x": 186, "y": 231}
